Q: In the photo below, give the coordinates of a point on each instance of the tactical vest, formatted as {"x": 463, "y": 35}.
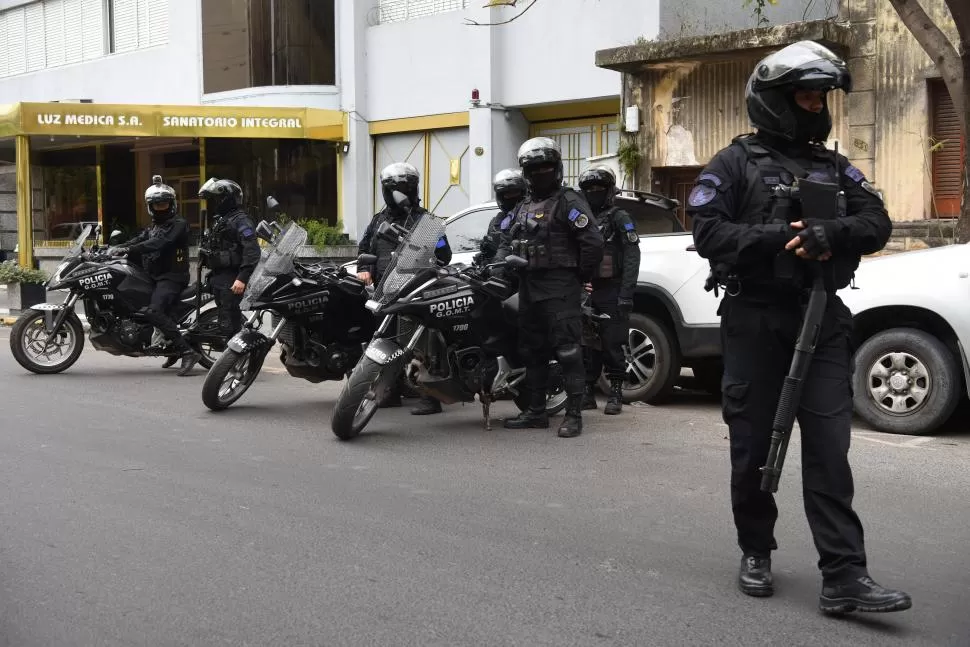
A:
{"x": 225, "y": 248}
{"x": 764, "y": 171}
{"x": 540, "y": 235}
{"x": 612, "y": 246}
{"x": 167, "y": 262}
{"x": 383, "y": 249}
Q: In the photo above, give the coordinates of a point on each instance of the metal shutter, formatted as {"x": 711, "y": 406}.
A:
{"x": 948, "y": 157}
{"x": 157, "y": 21}
{"x": 92, "y": 29}
{"x": 34, "y": 31}
{"x": 54, "y": 32}
{"x": 124, "y": 29}
{"x": 4, "y": 64}
{"x": 73, "y": 47}
{"x": 16, "y": 52}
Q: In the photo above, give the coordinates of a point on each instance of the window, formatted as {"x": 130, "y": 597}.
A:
{"x": 466, "y": 232}
{"x": 581, "y": 139}
{"x": 948, "y": 153}
{"x": 137, "y": 24}
{"x": 51, "y": 33}
{"x": 400, "y": 10}
{"x": 257, "y": 43}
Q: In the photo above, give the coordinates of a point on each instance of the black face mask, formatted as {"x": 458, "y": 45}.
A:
{"x": 507, "y": 202}
{"x": 161, "y": 217}
{"x": 811, "y": 126}
{"x": 596, "y": 199}
{"x": 544, "y": 182}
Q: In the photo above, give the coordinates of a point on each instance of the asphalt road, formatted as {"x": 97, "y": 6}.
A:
{"x": 131, "y": 515}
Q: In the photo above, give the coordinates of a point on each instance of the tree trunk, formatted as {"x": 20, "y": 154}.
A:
{"x": 962, "y": 232}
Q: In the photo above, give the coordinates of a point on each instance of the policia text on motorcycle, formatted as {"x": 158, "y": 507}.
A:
{"x": 164, "y": 252}
{"x": 612, "y": 287}
{"x": 232, "y": 251}
{"x": 762, "y": 244}
{"x": 555, "y": 231}
{"x": 403, "y": 178}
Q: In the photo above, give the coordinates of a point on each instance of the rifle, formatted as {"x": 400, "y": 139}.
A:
{"x": 815, "y": 197}
{"x": 203, "y": 244}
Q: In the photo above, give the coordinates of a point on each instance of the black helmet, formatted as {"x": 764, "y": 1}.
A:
{"x": 598, "y": 176}
{"x": 510, "y": 188}
{"x": 161, "y": 201}
{"x": 223, "y": 196}
{"x": 539, "y": 151}
{"x": 806, "y": 65}
{"x": 399, "y": 176}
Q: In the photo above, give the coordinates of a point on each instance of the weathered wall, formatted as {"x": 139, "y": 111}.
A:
{"x": 681, "y": 18}
{"x": 901, "y": 132}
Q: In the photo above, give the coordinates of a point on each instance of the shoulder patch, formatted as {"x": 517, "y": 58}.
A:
{"x": 701, "y": 194}
{"x": 441, "y": 243}
{"x": 710, "y": 177}
{"x": 506, "y": 221}
{"x": 632, "y": 237}
{"x": 246, "y": 232}
{"x": 854, "y": 173}
{"x": 574, "y": 213}
{"x": 628, "y": 226}
{"x": 581, "y": 221}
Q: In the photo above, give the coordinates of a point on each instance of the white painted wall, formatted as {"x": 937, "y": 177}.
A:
{"x": 169, "y": 73}
{"x": 430, "y": 65}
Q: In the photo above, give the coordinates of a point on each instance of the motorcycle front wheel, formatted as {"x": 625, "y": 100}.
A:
{"x": 354, "y": 409}
{"x": 228, "y": 379}
{"x": 28, "y": 337}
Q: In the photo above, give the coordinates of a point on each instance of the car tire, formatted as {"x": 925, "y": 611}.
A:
{"x": 659, "y": 357}
{"x": 908, "y": 370}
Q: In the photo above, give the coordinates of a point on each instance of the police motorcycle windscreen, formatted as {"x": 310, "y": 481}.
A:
{"x": 278, "y": 260}
{"x": 414, "y": 255}
{"x": 73, "y": 253}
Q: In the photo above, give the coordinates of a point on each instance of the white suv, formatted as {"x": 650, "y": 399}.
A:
{"x": 674, "y": 323}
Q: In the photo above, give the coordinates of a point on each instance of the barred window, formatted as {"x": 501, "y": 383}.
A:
{"x": 400, "y": 10}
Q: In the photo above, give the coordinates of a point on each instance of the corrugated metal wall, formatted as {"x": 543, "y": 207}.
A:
{"x": 694, "y": 110}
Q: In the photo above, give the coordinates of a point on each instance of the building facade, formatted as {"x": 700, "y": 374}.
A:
{"x": 898, "y": 125}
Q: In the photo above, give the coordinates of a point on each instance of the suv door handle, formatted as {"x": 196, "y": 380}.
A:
{"x": 691, "y": 248}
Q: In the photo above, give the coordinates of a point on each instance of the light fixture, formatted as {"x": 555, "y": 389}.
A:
{"x": 476, "y": 98}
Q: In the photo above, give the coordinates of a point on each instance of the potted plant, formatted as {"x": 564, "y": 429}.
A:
{"x": 21, "y": 287}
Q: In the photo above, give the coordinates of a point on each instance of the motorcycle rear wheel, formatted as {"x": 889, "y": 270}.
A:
{"x": 555, "y": 396}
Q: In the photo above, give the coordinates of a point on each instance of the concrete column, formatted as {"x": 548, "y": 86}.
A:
{"x": 861, "y": 102}
{"x": 480, "y": 46}
{"x": 25, "y": 224}
{"x": 357, "y": 176}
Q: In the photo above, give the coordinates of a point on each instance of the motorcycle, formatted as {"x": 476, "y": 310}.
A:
{"x": 317, "y": 313}
{"x": 461, "y": 328}
{"x": 49, "y": 337}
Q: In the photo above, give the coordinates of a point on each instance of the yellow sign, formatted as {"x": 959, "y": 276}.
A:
{"x": 122, "y": 120}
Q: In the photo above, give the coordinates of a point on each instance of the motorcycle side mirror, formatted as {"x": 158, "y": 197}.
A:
{"x": 273, "y": 204}
{"x": 516, "y": 261}
{"x": 114, "y": 237}
{"x": 366, "y": 259}
{"x": 263, "y": 231}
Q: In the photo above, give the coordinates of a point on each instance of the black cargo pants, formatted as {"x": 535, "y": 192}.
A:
{"x": 227, "y": 303}
{"x": 758, "y": 340}
{"x": 613, "y": 334}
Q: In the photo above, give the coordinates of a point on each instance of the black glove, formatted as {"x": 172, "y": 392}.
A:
{"x": 478, "y": 259}
{"x": 625, "y": 305}
{"x": 818, "y": 236}
{"x": 118, "y": 251}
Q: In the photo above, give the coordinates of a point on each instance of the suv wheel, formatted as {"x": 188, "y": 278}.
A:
{"x": 905, "y": 382}
{"x": 653, "y": 362}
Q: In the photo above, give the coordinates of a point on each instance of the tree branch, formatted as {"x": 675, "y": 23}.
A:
{"x": 960, "y": 11}
{"x": 474, "y": 23}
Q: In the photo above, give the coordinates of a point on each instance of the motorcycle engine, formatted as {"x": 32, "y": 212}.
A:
{"x": 475, "y": 368}
{"x": 338, "y": 360}
{"x": 134, "y": 335}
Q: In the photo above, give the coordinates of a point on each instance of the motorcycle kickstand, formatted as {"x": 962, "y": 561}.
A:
{"x": 486, "y": 406}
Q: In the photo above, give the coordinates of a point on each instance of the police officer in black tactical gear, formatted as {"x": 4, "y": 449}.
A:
{"x": 555, "y": 231}
{"x": 612, "y": 287}
{"x": 233, "y": 250}
{"x": 164, "y": 252}
{"x": 510, "y": 189}
{"x": 403, "y": 178}
{"x": 762, "y": 259}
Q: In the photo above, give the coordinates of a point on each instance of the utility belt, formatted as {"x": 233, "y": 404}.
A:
{"x": 218, "y": 259}
{"x": 775, "y": 289}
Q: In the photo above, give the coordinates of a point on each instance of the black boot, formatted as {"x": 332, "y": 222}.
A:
{"x": 426, "y": 407}
{"x": 589, "y": 396}
{"x": 861, "y": 594}
{"x": 614, "y": 404}
{"x": 170, "y": 362}
{"x": 572, "y": 424}
{"x": 535, "y": 417}
{"x": 189, "y": 359}
{"x": 755, "y": 576}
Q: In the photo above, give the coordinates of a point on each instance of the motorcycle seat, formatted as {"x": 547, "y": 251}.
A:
{"x": 510, "y": 309}
{"x": 189, "y": 292}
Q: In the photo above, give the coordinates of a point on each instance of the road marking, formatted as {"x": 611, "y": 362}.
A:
{"x": 912, "y": 443}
